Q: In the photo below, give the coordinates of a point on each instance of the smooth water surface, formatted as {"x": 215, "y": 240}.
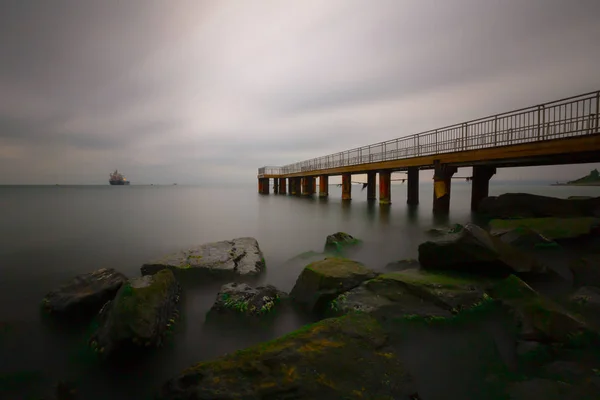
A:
{"x": 48, "y": 234}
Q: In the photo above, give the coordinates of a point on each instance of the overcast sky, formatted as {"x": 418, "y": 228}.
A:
{"x": 203, "y": 91}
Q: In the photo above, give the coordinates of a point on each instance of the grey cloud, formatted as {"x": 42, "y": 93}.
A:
{"x": 201, "y": 90}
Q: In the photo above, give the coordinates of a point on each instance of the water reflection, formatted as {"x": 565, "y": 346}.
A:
{"x": 384, "y": 214}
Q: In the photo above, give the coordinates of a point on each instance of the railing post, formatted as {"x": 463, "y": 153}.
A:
{"x": 539, "y": 122}
{"x": 597, "y": 111}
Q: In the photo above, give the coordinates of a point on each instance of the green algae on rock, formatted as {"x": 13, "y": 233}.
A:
{"x": 538, "y": 317}
{"x": 241, "y": 298}
{"x": 549, "y": 227}
{"x": 337, "y": 242}
{"x": 336, "y": 358}
{"x": 321, "y": 281}
{"x": 140, "y": 314}
{"x": 85, "y": 294}
{"x": 241, "y": 256}
{"x": 476, "y": 251}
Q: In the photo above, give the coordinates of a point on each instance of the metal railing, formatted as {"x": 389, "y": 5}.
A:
{"x": 569, "y": 117}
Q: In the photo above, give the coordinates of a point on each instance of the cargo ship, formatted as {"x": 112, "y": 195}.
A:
{"x": 117, "y": 178}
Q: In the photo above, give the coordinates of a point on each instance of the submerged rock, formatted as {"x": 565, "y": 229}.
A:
{"x": 445, "y": 231}
{"x": 140, "y": 314}
{"x": 586, "y": 299}
{"x": 413, "y": 292}
{"x": 336, "y": 358}
{"x": 85, "y": 294}
{"x": 538, "y": 317}
{"x": 523, "y": 205}
{"x": 475, "y": 250}
{"x": 549, "y": 228}
{"x": 586, "y": 271}
{"x": 243, "y": 299}
{"x": 401, "y": 265}
{"x": 240, "y": 256}
{"x": 338, "y": 241}
{"x": 321, "y": 281}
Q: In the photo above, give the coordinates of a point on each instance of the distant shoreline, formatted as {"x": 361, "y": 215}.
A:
{"x": 576, "y": 184}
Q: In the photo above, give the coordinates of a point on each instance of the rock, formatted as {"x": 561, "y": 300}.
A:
{"x": 476, "y": 251}
{"x": 336, "y": 358}
{"x": 322, "y": 281}
{"x": 437, "y": 232}
{"x": 526, "y": 239}
{"x": 413, "y": 292}
{"x": 140, "y": 314}
{"x": 523, "y": 205}
{"x": 240, "y": 256}
{"x": 550, "y": 228}
{"x": 538, "y": 389}
{"x": 401, "y": 265}
{"x": 586, "y": 271}
{"x": 241, "y": 298}
{"x": 538, "y": 318}
{"x": 338, "y": 241}
{"x": 85, "y": 294}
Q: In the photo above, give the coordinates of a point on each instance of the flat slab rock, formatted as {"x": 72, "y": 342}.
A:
{"x": 412, "y": 292}
{"x": 243, "y": 299}
{"x": 84, "y": 294}
{"x": 241, "y": 256}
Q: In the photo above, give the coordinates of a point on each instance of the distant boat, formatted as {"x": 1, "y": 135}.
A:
{"x": 117, "y": 178}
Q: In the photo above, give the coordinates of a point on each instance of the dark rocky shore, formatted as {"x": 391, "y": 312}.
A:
{"x": 521, "y": 341}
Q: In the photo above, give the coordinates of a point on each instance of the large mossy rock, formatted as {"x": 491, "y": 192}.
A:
{"x": 523, "y": 205}
{"x": 537, "y": 317}
{"x": 549, "y": 228}
{"x": 337, "y": 242}
{"x": 586, "y": 271}
{"x": 476, "y": 251}
{"x": 243, "y": 299}
{"x": 336, "y": 358}
{"x": 413, "y": 292}
{"x": 241, "y": 256}
{"x": 321, "y": 281}
{"x": 140, "y": 314}
{"x": 85, "y": 294}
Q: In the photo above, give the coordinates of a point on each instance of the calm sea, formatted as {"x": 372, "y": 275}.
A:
{"x": 50, "y": 233}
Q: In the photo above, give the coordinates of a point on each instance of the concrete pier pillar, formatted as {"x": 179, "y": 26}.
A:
{"x": 263, "y": 185}
{"x": 309, "y": 186}
{"x": 371, "y": 185}
{"x": 442, "y": 178}
{"x": 413, "y": 186}
{"x": 480, "y": 184}
{"x": 275, "y": 185}
{"x": 323, "y": 186}
{"x": 385, "y": 192}
{"x": 346, "y": 186}
{"x": 304, "y": 185}
{"x": 293, "y": 187}
{"x": 282, "y": 186}
{"x": 298, "y": 183}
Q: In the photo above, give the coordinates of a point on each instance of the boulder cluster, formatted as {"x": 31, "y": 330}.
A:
{"x": 464, "y": 273}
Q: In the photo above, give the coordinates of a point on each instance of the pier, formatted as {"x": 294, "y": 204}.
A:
{"x": 559, "y": 132}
